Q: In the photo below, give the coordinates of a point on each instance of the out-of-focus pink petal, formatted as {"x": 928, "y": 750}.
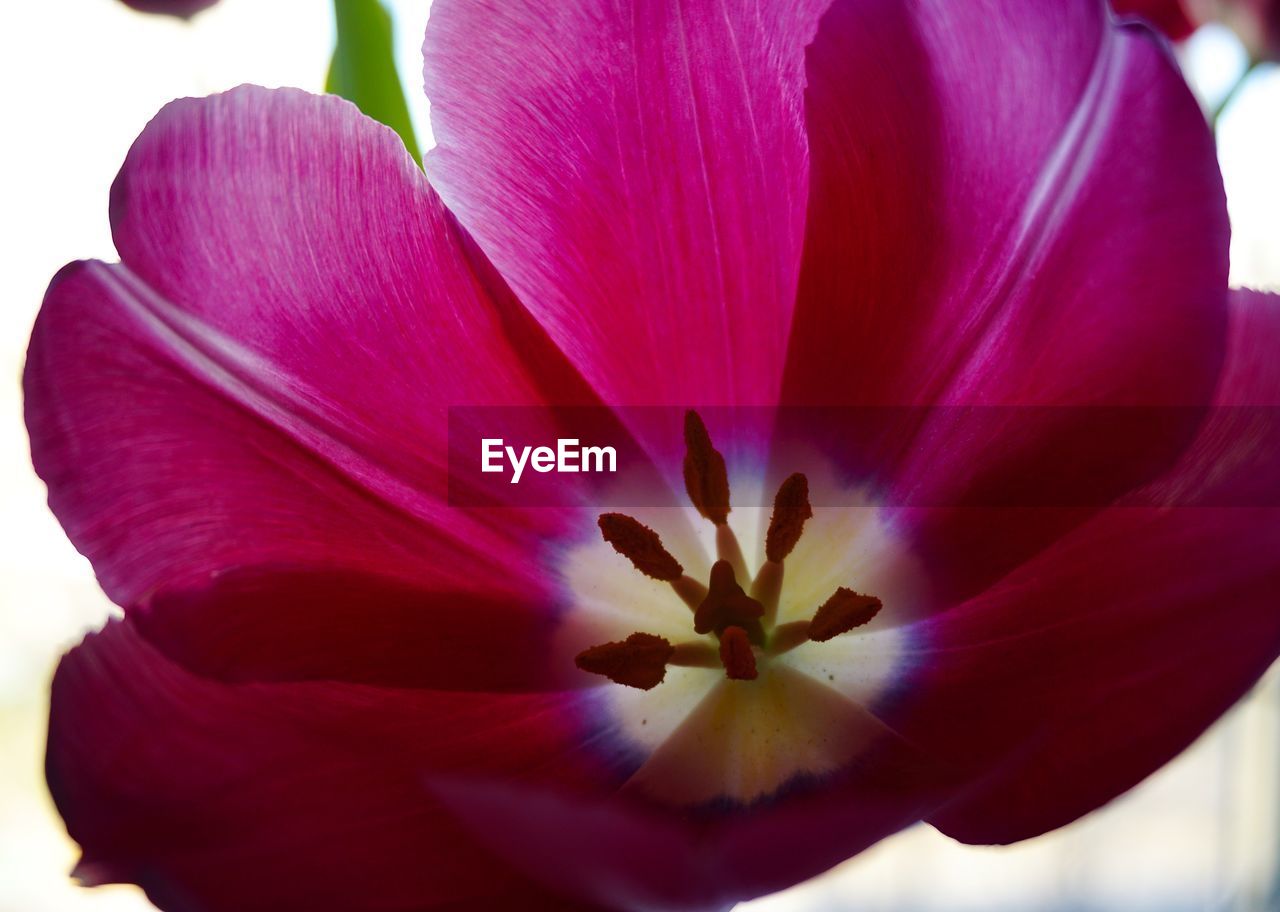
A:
{"x": 184, "y": 9}
{"x": 983, "y": 251}
{"x": 282, "y": 624}
{"x": 1097, "y": 662}
{"x": 1262, "y": 34}
{"x": 638, "y": 173}
{"x": 1169, "y": 16}
{"x": 257, "y": 798}
{"x": 264, "y": 379}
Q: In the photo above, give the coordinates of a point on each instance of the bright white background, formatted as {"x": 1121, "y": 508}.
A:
{"x": 80, "y": 79}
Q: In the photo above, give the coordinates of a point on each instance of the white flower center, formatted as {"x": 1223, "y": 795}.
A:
{"x": 699, "y": 737}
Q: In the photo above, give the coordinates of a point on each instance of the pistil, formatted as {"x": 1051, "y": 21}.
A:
{"x": 727, "y": 605}
{"x": 736, "y": 655}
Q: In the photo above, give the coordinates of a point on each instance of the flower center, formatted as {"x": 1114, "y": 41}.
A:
{"x": 744, "y": 623}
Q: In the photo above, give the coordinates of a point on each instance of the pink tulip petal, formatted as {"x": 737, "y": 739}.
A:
{"x": 637, "y": 856}
{"x": 638, "y": 173}
{"x": 264, "y": 381}
{"x": 1094, "y": 664}
{"x": 983, "y": 250}
{"x": 282, "y": 624}
{"x": 967, "y": 247}
{"x": 266, "y": 797}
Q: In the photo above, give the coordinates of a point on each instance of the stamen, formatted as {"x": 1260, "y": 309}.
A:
{"x": 691, "y": 591}
{"x": 641, "y": 545}
{"x": 728, "y": 549}
{"x": 727, "y": 605}
{"x": 791, "y": 509}
{"x": 695, "y": 655}
{"x": 786, "y": 637}
{"x": 736, "y": 655}
{"x": 721, "y": 607}
{"x": 766, "y": 588}
{"x": 705, "y": 477}
{"x": 640, "y": 661}
{"x": 841, "y": 613}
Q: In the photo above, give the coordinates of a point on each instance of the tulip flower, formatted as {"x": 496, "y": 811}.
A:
{"x": 335, "y": 688}
{"x": 183, "y": 9}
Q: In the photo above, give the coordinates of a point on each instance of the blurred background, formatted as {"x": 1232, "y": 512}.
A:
{"x": 82, "y": 77}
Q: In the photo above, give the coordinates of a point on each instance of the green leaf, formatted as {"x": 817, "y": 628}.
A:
{"x": 363, "y": 69}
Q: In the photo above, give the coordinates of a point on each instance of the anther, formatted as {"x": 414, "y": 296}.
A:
{"x": 639, "y": 661}
{"x": 727, "y": 605}
{"x": 705, "y": 477}
{"x": 736, "y": 655}
{"x": 641, "y": 545}
{"x": 791, "y": 509}
{"x": 841, "y": 613}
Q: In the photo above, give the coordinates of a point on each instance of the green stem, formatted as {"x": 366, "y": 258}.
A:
{"x": 1232, "y": 92}
{"x": 363, "y": 69}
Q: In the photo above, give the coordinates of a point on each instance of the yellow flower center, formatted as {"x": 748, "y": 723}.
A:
{"x": 770, "y": 669}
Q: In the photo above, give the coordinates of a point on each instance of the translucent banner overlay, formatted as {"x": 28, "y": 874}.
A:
{"x": 1007, "y": 457}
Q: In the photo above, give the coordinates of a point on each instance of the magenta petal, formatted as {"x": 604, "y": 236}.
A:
{"x": 625, "y": 852}
{"x": 999, "y": 252}
{"x": 984, "y": 251}
{"x": 264, "y": 380}
{"x": 257, "y": 798}
{"x": 637, "y": 171}
{"x": 280, "y": 624}
{"x": 1097, "y": 662}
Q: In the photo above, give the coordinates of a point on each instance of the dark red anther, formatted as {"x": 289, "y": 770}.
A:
{"x": 736, "y": 655}
{"x": 726, "y": 604}
{"x": 841, "y": 613}
{"x": 640, "y": 661}
{"x": 791, "y": 509}
{"x": 641, "y": 545}
{"x": 705, "y": 477}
